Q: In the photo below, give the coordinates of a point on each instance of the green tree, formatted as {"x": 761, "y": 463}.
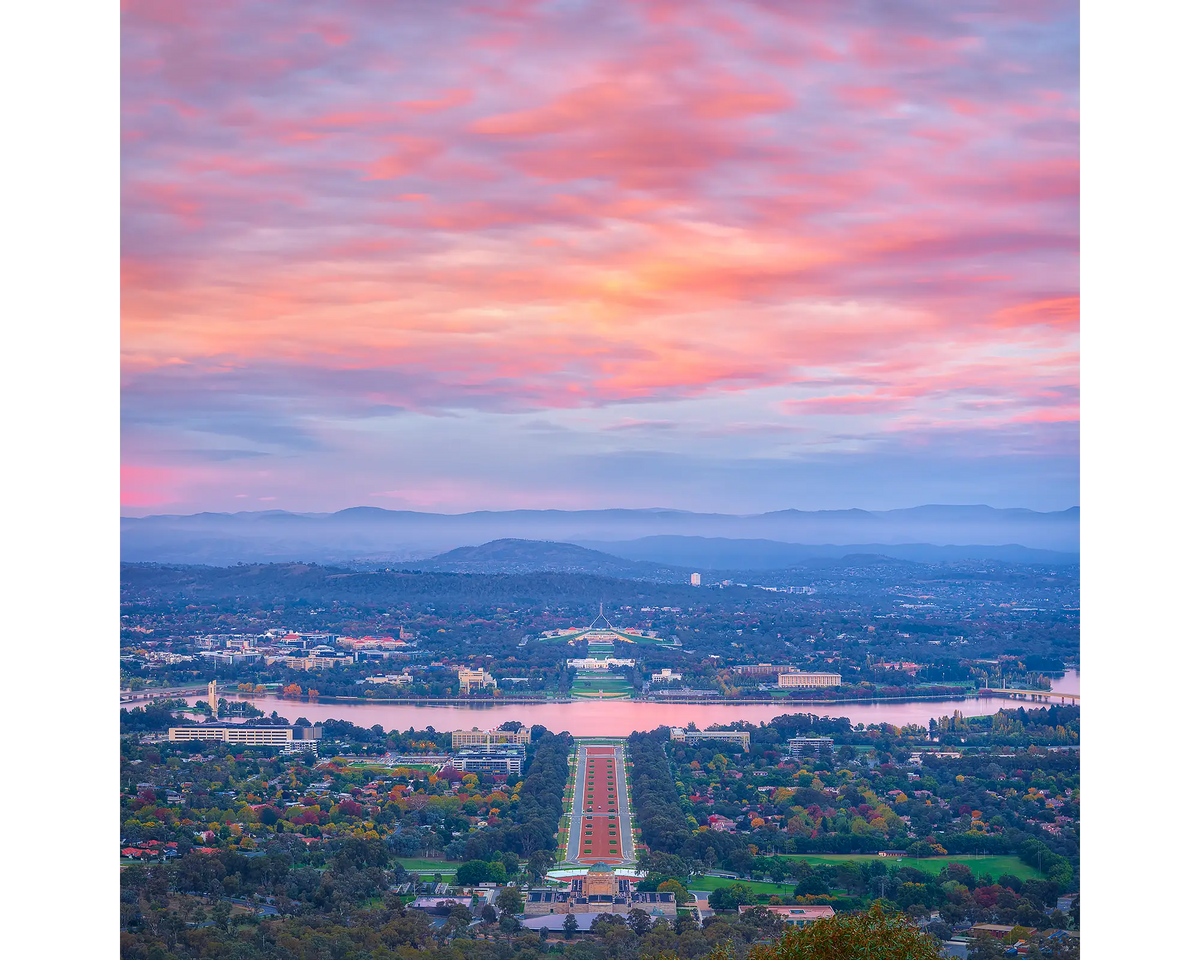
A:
{"x": 685, "y": 920}
{"x": 220, "y": 914}
{"x": 570, "y": 925}
{"x": 459, "y": 918}
{"x": 874, "y": 934}
{"x": 473, "y": 872}
{"x": 539, "y": 862}
{"x": 509, "y": 901}
{"x": 731, "y": 897}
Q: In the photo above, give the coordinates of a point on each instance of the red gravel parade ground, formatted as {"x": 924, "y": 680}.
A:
{"x": 600, "y": 840}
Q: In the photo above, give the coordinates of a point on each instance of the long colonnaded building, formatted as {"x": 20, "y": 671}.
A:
{"x": 810, "y": 679}
{"x": 760, "y": 669}
{"x": 279, "y": 735}
{"x": 699, "y": 736}
{"x": 600, "y": 890}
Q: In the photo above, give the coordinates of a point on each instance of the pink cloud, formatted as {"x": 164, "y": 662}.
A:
{"x": 848, "y": 404}
{"x": 1052, "y": 312}
{"x": 539, "y": 205}
{"x": 407, "y": 155}
{"x": 873, "y": 98}
{"x": 147, "y": 486}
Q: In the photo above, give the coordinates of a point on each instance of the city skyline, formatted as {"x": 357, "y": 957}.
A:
{"x": 599, "y": 255}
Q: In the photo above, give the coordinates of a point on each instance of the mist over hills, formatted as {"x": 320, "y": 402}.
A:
{"x": 717, "y": 553}
{"x": 662, "y": 537}
{"x": 674, "y": 559}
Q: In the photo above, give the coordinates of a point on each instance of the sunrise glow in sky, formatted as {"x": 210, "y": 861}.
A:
{"x": 729, "y": 255}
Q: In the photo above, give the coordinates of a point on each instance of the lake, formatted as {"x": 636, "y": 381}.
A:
{"x": 619, "y": 718}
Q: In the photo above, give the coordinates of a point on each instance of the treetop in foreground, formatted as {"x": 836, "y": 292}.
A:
{"x": 873, "y": 935}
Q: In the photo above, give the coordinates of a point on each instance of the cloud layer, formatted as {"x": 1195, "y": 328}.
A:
{"x": 722, "y": 240}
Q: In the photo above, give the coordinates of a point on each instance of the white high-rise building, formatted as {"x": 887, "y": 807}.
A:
{"x": 695, "y": 579}
{"x": 212, "y": 696}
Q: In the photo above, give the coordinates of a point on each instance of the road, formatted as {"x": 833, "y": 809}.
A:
{"x": 601, "y": 829}
{"x": 162, "y": 693}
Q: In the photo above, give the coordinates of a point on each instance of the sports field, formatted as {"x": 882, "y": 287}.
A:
{"x": 429, "y": 866}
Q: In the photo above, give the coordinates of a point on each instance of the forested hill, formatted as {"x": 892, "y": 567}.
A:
{"x": 318, "y": 585}
{"x": 536, "y": 556}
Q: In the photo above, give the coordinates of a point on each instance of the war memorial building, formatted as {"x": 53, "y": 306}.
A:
{"x": 600, "y": 890}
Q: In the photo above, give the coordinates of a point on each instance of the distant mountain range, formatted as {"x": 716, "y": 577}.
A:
{"x": 716, "y": 553}
{"x": 674, "y": 559}
{"x": 656, "y": 537}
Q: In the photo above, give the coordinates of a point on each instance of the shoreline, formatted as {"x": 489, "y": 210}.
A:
{"x": 687, "y": 701}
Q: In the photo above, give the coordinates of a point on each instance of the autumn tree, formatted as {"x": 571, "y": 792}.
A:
{"x": 874, "y": 934}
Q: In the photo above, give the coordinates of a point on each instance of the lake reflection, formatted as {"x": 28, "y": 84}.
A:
{"x": 619, "y": 718}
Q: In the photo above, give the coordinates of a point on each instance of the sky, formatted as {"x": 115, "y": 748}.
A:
{"x": 718, "y": 255}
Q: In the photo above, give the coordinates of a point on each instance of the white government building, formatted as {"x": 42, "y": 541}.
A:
{"x": 810, "y": 679}
{"x": 595, "y": 663}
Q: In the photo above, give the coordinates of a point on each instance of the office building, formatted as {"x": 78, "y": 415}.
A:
{"x": 280, "y": 735}
{"x": 695, "y": 579}
{"x": 699, "y": 736}
{"x": 317, "y": 660}
{"x": 794, "y": 916}
{"x": 808, "y": 746}
{"x": 488, "y": 738}
{"x": 760, "y": 669}
{"x": 510, "y": 759}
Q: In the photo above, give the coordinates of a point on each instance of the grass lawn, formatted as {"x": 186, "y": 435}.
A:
{"x": 760, "y": 886}
{"x": 653, "y": 641}
{"x": 996, "y": 866}
{"x": 382, "y": 770}
{"x": 429, "y": 866}
{"x": 565, "y": 638}
{"x": 600, "y": 687}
